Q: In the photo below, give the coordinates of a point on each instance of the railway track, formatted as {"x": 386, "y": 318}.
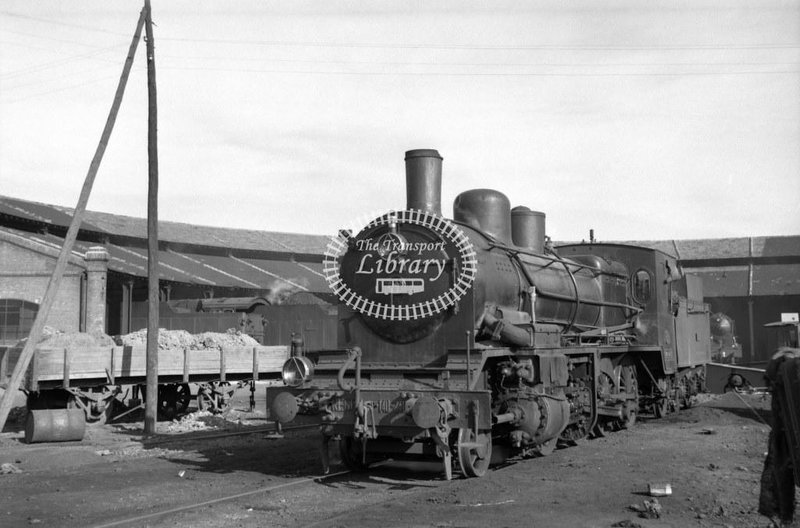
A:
{"x": 139, "y": 520}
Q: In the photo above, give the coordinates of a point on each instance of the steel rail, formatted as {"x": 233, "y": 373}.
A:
{"x": 137, "y": 520}
{"x": 165, "y": 439}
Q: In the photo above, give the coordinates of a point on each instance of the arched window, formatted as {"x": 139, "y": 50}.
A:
{"x": 16, "y": 319}
{"x": 641, "y": 286}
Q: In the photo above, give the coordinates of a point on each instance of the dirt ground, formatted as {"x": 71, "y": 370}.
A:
{"x": 710, "y": 455}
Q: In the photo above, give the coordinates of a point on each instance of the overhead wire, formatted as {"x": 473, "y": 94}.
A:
{"x": 59, "y": 62}
{"x": 467, "y": 64}
{"x": 687, "y": 69}
{"x": 544, "y": 47}
{"x": 65, "y": 24}
{"x": 482, "y": 74}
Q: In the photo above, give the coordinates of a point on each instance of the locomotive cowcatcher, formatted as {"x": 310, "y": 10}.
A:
{"x": 473, "y": 339}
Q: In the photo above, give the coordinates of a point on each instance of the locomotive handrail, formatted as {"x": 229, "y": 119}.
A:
{"x": 569, "y": 267}
{"x": 553, "y": 257}
{"x": 577, "y": 299}
{"x": 353, "y": 357}
{"x": 545, "y": 293}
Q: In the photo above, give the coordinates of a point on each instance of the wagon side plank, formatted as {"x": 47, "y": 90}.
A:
{"x": 68, "y": 366}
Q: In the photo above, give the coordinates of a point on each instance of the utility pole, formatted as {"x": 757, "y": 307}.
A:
{"x": 72, "y": 233}
{"x": 151, "y": 408}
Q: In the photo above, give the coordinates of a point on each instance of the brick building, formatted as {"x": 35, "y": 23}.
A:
{"x": 25, "y": 270}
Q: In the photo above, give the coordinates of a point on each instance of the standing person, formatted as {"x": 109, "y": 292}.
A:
{"x": 781, "y": 469}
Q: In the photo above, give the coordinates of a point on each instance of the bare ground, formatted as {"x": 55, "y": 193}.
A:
{"x": 710, "y": 455}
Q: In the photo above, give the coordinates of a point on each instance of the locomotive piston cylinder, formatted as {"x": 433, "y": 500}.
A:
{"x": 537, "y": 420}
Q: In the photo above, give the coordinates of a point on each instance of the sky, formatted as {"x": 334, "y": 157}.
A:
{"x": 641, "y": 120}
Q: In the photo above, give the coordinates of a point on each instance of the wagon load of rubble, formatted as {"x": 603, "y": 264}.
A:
{"x": 54, "y": 338}
{"x": 181, "y": 339}
{"x": 73, "y": 359}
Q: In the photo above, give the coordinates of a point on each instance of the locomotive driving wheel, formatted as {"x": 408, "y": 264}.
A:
{"x": 661, "y": 407}
{"x": 629, "y": 385}
{"x": 474, "y": 451}
{"x": 547, "y": 448}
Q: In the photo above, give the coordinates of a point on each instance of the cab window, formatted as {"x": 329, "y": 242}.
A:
{"x": 641, "y": 285}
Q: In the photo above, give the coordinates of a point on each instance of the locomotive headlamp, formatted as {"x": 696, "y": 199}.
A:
{"x": 297, "y": 370}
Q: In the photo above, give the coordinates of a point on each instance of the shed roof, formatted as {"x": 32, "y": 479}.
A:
{"x": 727, "y": 248}
{"x": 132, "y": 227}
{"x": 193, "y": 268}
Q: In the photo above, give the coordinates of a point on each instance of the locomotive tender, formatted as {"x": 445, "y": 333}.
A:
{"x": 473, "y": 338}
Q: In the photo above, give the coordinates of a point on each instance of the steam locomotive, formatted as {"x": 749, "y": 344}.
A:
{"x": 724, "y": 346}
{"x": 473, "y": 339}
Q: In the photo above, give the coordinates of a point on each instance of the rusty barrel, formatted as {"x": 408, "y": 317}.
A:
{"x": 54, "y": 425}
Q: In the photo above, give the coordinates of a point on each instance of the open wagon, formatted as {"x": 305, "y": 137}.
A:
{"x": 92, "y": 379}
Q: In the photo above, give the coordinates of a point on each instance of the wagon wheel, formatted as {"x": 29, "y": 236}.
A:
{"x": 629, "y": 385}
{"x": 214, "y": 396}
{"x": 474, "y": 451}
{"x": 661, "y": 407}
{"x": 173, "y": 399}
{"x": 183, "y": 395}
{"x": 352, "y": 452}
{"x": 167, "y": 401}
{"x": 205, "y": 399}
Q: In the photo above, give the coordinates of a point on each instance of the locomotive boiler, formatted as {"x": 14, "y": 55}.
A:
{"x": 473, "y": 339}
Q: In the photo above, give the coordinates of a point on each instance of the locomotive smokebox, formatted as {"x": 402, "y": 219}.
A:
{"x": 527, "y": 228}
{"x": 424, "y": 181}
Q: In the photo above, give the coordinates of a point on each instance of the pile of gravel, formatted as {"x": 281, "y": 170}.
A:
{"x": 54, "y": 338}
{"x": 170, "y": 339}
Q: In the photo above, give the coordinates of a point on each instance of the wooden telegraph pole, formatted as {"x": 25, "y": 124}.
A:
{"x": 151, "y": 409}
{"x": 72, "y": 233}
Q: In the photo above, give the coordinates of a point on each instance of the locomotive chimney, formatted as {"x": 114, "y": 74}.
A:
{"x": 527, "y": 228}
{"x": 424, "y": 181}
